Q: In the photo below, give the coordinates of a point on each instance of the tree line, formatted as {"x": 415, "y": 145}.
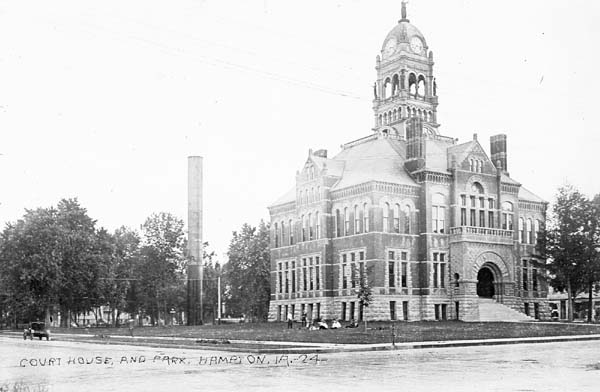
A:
{"x": 572, "y": 246}
{"x": 57, "y": 259}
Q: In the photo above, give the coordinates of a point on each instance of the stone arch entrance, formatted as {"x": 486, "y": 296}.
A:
{"x": 485, "y": 283}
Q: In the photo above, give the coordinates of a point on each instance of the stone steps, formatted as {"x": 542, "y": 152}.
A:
{"x": 490, "y": 310}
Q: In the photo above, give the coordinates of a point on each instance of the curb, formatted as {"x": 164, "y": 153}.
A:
{"x": 303, "y": 348}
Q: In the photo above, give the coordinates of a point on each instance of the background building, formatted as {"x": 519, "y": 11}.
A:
{"x": 440, "y": 228}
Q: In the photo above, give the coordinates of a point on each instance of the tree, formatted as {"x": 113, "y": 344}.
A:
{"x": 160, "y": 269}
{"x": 569, "y": 245}
{"x": 118, "y": 270}
{"x": 364, "y": 292}
{"x": 248, "y": 272}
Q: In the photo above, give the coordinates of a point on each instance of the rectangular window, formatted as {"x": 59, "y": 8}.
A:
{"x": 351, "y": 315}
{"x": 304, "y": 282}
{"x": 463, "y": 216}
{"x": 280, "y": 279}
{"x": 491, "y": 204}
{"x": 442, "y": 275}
{"x": 404, "y": 274}
{"x": 344, "y": 277}
{"x": 293, "y": 281}
{"x": 473, "y": 201}
{"x": 444, "y": 312}
{"x": 392, "y": 310}
{"x": 490, "y": 219}
{"x": 463, "y": 200}
{"x": 435, "y": 256}
{"x": 526, "y": 308}
{"x": 343, "y": 318}
{"x": 436, "y": 309}
{"x": 391, "y": 275}
{"x": 534, "y": 280}
{"x": 442, "y": 257}
{"x": 405, "y": 310}
{"x": 403, "y": 256}
{"x": 353, "y": 275}
{"x": 442, "y": 219}
{"x": 481, "y": 218}
{"x": 279, "y": 313}
{"x": 287, "y": 281}
{"x": 525, "y": 279}
{"x": 310, "y": 273}
{"x": 318, "y": 226}
{"x": 318, "y": 310}
{"x": 473, "y": 218}
{"x": 481, "y": 202}
{"x": 391, "y": 255}
{"x": 536, "y": 310}
{"x": 361, "y": 255}
{"x": 434, "y": 219}
{"x": 318, "y": 278}
{"x": 435, "y": 275}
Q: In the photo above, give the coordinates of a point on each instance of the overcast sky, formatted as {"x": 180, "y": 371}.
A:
{"x": 105, "y": 100}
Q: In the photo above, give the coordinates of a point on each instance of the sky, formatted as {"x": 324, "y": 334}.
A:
{"x": 105, "y": 100}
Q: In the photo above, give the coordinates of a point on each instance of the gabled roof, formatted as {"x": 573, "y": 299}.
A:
{"x": 288, "y": 197}
{"x": 377, "y": 159}
{"x": 525, "y": 194}
{"x": 506, "y": 179}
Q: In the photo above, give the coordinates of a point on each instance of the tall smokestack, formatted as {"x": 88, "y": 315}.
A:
{"x": 195, "y": 270}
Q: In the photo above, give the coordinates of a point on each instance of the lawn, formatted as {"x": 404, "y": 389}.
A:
{"x": 378, "y": 332}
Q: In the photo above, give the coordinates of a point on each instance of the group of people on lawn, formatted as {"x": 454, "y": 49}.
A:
{"x": 318, "y": 323}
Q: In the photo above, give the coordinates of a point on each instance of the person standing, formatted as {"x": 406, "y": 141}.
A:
{"x": 290, "y": 321}
{"x": 303, "y": 319}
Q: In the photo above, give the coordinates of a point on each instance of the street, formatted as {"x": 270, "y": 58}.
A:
{"x": 68, "y": 366}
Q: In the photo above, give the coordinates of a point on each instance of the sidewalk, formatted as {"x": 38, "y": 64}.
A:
{"x": 280, "y": 347}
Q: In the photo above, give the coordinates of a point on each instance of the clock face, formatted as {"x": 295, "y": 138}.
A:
{"x": 416, "y": 45}
{"x": 390, "y": 46}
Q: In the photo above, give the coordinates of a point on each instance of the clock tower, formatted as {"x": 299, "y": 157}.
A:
{"x": 405, "y": 86}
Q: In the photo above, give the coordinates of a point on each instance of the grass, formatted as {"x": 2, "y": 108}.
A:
{"x": 378, "y": 332}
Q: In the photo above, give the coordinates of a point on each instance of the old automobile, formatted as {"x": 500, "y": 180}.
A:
{"x": 36, "y": 329}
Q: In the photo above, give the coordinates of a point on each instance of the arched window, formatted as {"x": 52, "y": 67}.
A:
{"x": 521, "y": 230}
{"x": 538, "y": 228}
{"x": 282, "y": 233}
{"x": 387, "y": 88}
{"x": 386, "y": 214}
{"x": 406, "y": 212}
{"x": 477, "y": 188}
{"x": 356, "y": 220}
{"x": 507, "y": 215}
{"x": 412, "y": 85}
{"x": 385, "y": 119}
{"x": 365, "y": 218}
{"x": 380, "y": 119}
{"x": 338, "y": 223}
{"x": 438, "y": 213}
{"x": 276, "y": 230}
{"x": 395, "y": 85}
{"x": 529, "y": 231}
{"x": 318, "y": 226}
{"x": 471, "y": 165}
{"x": 303, "y": 236}
{"x": 397, "y": 218}
{"x": 310, "y": 227}
{"x": 291, "y": 232}
{"x": 346, "y": 221}
{"x": 421, "y": 86}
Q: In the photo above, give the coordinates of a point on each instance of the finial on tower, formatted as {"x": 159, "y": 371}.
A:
{"x": 404, "y": 19}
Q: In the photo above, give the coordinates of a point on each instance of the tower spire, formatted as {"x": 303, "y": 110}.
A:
{"x": 404, "y": 18}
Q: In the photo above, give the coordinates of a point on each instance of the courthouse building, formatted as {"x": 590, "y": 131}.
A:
{"x": 439, "y": 227}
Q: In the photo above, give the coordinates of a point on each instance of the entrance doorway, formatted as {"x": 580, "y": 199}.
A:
{"x": 485, "y": 283}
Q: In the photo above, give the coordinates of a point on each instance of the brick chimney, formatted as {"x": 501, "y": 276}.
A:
{"x": 498, "y": 151}
{"x": 415, "y": 145}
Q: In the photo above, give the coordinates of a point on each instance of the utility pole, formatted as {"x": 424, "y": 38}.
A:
{"x": 219, "y": 296}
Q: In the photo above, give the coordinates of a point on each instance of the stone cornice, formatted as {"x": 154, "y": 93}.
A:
{"x": 375, "y": 186}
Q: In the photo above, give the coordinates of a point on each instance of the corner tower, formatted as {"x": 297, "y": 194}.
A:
{"x": 405, "y": 85}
